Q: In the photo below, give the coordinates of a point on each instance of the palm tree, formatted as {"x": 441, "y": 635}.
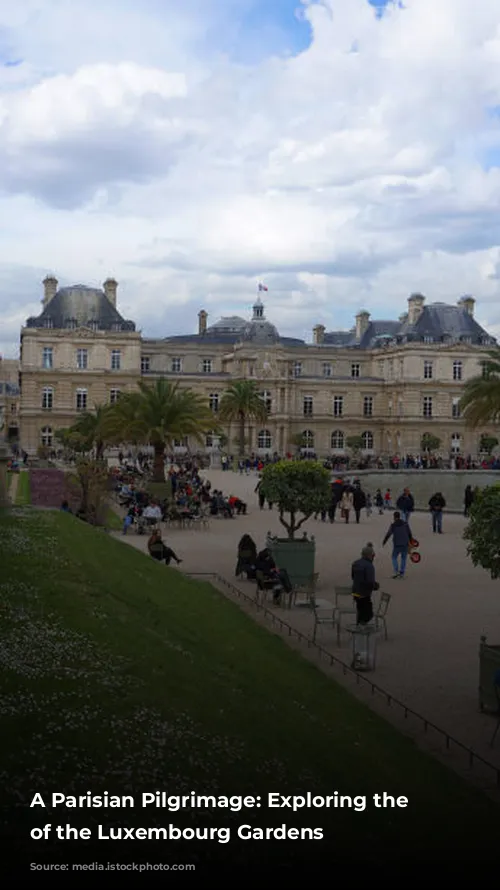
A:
{"x": 92, "y": 428}
{"x": 480, "y": 403}
{"x": 158, "y": 414}
{"x": 242, "y": 402}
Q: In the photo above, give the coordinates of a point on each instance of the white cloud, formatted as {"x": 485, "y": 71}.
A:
{"x": 355, "y": 172}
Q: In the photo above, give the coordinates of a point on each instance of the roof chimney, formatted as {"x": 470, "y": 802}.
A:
{"x": 50, "y": 285}
{"x": 362, "y": 323}
{"x": 415, "y": 308}
{"x": 202, "y": 321}
{"x": 318, "y": 334}
{"x": 109, "y": 287}
{"x": 467, "y": 303}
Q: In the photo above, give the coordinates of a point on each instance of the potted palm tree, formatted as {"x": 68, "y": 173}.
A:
{"x": 480, "y": 405}
{"x": 241, "y": 403}
{"x": 299, "y": 489}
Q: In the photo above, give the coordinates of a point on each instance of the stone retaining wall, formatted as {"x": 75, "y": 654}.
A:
{"x": 424, "y": 483}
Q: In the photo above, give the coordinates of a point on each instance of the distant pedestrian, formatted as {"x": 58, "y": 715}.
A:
{"x": 379, "y": 501}
{"x": 346, "y": 504}
{"x": 388, "y": 499}
{"x": 437, "y": 504}
{"x": 401, "y": 535}
{"x": 405, "y": 504}
{"x": 468, "y": 499}
{"x": 359, "y": 501}
{"x": 369, "y": 507}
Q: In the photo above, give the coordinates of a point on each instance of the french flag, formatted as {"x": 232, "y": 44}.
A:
{"x": 262, "y": 287}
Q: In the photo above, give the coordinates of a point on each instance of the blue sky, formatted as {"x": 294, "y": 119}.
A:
{"x": 191, "y": 150}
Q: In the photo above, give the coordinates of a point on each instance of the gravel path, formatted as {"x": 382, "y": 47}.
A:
{"x": 436, "y": 616}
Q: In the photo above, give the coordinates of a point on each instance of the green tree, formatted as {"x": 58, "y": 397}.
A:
{"x": 429, "y": 442}
{"x": 483, "y": 530}
{"x": 480, "y": 403}
{"x": 157, "y": 414}
{"x": 242, "y": 402}
{"x": 355, "y": 443}
{"x": 90, "y": 481}
{"x": 487, "y": 443}
{"x": 298, "y": 488}
{"x": 92, "y": 428}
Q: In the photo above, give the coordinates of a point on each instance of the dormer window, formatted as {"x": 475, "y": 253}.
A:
{"x": 48, "y": 323}
{"x": 93, "y": 325}
{"x": 466, "y": 339}
{"x": 428, "y": 339}
{"x": 71, "y": 323}
{"x": 116, "y": 327}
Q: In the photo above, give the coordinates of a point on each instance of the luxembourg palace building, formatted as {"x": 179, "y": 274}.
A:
{"x": 387, "y": 381}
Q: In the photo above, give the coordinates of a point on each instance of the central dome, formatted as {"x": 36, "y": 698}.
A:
{"x": 260, "y": 331}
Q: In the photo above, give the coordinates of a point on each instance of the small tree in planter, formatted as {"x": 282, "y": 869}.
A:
{"x": 487, "y": 444}
{"x": 299, "y": 489}
{"x": 483, "y": 535}
{"x": 430, "y": 443}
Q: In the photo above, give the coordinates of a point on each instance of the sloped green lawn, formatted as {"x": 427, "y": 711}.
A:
{"x": 120, "y": 674}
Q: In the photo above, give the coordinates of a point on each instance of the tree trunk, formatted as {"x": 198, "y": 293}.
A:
{"x": 99, "y": 449}
{"x": 159, "y": 463}
{"x": 242, "y": 434}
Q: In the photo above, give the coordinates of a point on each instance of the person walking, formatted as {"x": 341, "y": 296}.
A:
{"x": 437, "y": 504}
{"x": 468, "y": 499}
{"x": 359, "y": 501}
{"x": 346, "y": 504}
{"x": 405, "y": 504}
{"x": 379, "y": 502}
{"x": 364, "y": 584}
{"x": 401, "y": 535}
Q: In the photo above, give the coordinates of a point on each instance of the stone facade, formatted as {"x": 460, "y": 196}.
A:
{"x": 10, "y": 398}
{"x": 389, "y": 382}
{"x": 70, "y": 364}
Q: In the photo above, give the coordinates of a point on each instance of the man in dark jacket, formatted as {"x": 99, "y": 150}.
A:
{"x": 337, "y": 491}
{"x": 437, "y": 504}
{"x": 405, "y": 504}
{"x": 401, "y": 535}
{"x": 358, "y": 501}
{"x": 364, "y": 584}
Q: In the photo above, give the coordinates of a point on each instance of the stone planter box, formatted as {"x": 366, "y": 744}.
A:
{"x": 489, "y": 664}
{"x": 296, "y": 556}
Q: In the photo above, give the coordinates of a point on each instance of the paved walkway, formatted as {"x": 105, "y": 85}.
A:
{"x": 436, "y": 617}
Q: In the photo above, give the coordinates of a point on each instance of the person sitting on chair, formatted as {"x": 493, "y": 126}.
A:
{"x": 266, "y": 564}
{"x": 159, "y": 551}
{"x": 247, "y": 557}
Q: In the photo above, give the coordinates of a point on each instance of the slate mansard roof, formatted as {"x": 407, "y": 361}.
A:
{"x": 437, "y": 323}
{"x": 80, "y": 306}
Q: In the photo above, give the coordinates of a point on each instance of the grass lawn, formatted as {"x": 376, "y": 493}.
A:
{"x": 120, "y": 674}
{"x": 113, "y": 521}
{"x": 23, "y": 493}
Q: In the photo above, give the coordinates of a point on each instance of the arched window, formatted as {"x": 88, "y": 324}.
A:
{"x": 308, "y": 439}
{"x": 456, "y": 443}
{"x": 337, "y": 440}
{"x": 47, "y": 436}
{"x": 264, "y": 439}
{"x": 47, "y": 398}
{"x": 367, "y": 441}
